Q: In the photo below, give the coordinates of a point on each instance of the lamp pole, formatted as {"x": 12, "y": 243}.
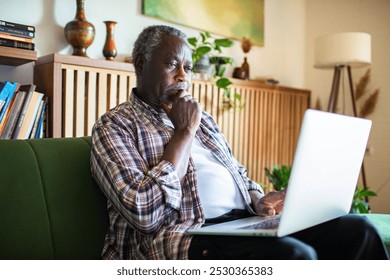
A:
{"x": 333, "y": 102}
{"x": 335, "y": 89}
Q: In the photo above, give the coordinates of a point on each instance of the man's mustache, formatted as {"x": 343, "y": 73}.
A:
{"x": 177, "y": 87}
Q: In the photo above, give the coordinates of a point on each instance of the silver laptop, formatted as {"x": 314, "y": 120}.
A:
{"x": 323, "y": 178}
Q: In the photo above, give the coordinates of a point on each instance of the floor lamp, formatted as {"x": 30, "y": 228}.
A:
{"x": 341, "y": 52}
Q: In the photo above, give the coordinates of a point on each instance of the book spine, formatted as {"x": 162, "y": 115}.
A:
{"x": 13, "y": 116}
{"x": 44, "y": 124}
{"x": 25, "y": 130}
{"x": 22, "y": 114}
{"x": 5, "y": 112}
{"x": 9, "y": 99}
{"x": 16, "y": 38}
{"x": 17, "y": 32}
{"x": 39, "y": 130}
{"x": 37, "y": 118}
{"x": 5, "y": 90}
{"x": 17, "y": 44}
{"x": 17, "y": 25}
{"x": 3, "y": 96}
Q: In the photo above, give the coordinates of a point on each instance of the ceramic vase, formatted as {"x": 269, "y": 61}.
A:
{"x": 109, "y": 49}
{"x": 79, "y": 32}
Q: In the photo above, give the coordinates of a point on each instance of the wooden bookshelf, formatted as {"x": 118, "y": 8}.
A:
{"x": 15, "y": 56}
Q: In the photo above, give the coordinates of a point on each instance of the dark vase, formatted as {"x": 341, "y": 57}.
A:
{"x": 79, "y": 32}
{"x": 245, "y": 69}
{"x": 109, "y": 49}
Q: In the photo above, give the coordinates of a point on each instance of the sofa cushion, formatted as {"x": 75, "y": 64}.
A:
{"x": 50, "y": 206}
{"x": 24, "y": 222}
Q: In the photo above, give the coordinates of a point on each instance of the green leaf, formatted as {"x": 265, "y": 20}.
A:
{"x": 204, "y": 36}
{"x": 362, "y": 208}
{"x": 202, "y": 50}
{"x": 359, "y": 205}
{"x": 221, "y": 60}
{"x": 223, "y": 82}
{"x": 192, "y": 41}
{"x": 226, "y": 91}
{"x": 367, "y": 193}
{"x": 220, "y": 71}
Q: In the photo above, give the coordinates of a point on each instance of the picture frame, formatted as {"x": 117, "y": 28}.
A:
{"x": 228, "y": 18}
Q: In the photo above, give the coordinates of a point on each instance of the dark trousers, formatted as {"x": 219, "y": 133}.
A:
{"x": 346, "y": 238}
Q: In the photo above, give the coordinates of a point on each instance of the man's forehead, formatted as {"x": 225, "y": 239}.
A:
{"x": 173, "y": 44}
{"x": 171, "y": 39}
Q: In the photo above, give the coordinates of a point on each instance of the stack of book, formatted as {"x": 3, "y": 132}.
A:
{"x": 17, "y": 35}
{"x": 23, "y": 111}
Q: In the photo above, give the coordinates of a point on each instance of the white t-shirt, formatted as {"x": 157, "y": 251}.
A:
{"x": 217, "y": 189}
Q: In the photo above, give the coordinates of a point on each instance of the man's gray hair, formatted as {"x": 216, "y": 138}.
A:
{"x": 150, "y": 38}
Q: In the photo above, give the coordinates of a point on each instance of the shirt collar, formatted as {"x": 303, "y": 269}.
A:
{"x": 144, "y": 108}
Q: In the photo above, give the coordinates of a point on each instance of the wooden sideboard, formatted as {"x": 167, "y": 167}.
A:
{"x": 263, "y": 132}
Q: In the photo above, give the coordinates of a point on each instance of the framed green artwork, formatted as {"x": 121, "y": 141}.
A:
{"x": 233, "y": 19}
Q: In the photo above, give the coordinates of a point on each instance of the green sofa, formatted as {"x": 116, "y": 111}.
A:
{"x": 51, "y": 208}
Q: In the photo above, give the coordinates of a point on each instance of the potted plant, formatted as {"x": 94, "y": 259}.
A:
{"x": 279, "y": 176}
{"x": 205, "y": 44}
{"x": 359, "y": 202}
{"x": 207, "y": 49}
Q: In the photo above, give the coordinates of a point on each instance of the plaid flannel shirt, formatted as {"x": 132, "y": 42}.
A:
{"x": 149, "y": 209}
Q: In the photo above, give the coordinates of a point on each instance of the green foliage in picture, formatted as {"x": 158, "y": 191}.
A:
{"x": 228, "y": 18}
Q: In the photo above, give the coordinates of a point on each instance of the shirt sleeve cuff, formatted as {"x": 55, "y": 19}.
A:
{"x": 166, "y": 177}
{"x": 255, "y": 187}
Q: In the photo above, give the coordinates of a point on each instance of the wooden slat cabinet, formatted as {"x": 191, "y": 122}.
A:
{"x": 80, "y": 89}
{"x": 263, "y": 132}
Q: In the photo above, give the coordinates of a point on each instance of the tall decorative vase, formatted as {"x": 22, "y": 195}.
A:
{"x": 79, "y": 32}
{"x": 109, "y": 49}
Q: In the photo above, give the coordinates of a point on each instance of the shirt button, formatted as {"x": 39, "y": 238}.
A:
{"x": 200, "y": 220}
{"x": 205, "y": 253}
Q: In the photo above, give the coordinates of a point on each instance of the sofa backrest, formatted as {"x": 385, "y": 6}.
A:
{"x": 50, "y": 206}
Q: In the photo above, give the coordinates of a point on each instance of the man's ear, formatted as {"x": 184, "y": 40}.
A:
{"x": 138, "y": 62}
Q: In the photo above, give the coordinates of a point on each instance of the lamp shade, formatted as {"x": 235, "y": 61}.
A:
{"x": 348, "y": 48}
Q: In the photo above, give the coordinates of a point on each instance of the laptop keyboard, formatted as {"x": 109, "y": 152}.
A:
{"x": 266, "y": 224}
